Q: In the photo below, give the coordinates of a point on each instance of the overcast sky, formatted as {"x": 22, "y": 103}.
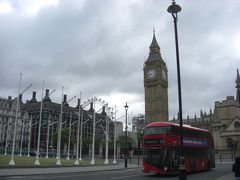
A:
{"x": 99, "y": 47}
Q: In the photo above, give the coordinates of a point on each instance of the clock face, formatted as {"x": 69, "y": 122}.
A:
{"x": 151, "y": 74}
{"x": 164, "y": 75}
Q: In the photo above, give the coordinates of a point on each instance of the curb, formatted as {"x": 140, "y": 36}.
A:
{"x": 66, "y": 172}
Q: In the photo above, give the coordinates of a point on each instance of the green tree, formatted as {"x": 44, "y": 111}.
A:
{"x": 87, "y": 141}
{"x": 122, "y": 141}
{"x": 64, "y": 137}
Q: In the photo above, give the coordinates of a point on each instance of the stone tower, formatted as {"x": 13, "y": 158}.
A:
{"x": 156, "y": 85}
{"x": 238, "y": 87}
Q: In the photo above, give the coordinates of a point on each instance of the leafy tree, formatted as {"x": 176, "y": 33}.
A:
{"x": 122, "y": 141}
{"x": 64, "y": 137}
{"x": 87, "y": 141}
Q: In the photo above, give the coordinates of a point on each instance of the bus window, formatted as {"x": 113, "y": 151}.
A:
{"x": 174, "y": 159}
{"x": 175, "y": 153}
{"x": 157, "y": 157}
{"x": 156, "y": 130}
{"x": 174, "y": 130}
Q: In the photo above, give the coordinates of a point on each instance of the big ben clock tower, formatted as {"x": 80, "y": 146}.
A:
{"x": 156, "y": 85}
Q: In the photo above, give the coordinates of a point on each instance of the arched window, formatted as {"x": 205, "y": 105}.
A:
{"x": 237, "y": 124}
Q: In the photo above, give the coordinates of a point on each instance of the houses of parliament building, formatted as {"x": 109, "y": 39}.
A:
{"x": 223, "y": 121}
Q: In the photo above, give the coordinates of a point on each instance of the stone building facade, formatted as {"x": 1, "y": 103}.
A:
{"x": 138, "y": 123}
{"x": 28, "y": 120}
{"x": 7, "y": 123}
{"x": 223, "y": 122}
{"x": 156, "y": 85}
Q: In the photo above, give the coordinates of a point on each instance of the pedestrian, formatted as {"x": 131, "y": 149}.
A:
{"x": 236, "y": 168}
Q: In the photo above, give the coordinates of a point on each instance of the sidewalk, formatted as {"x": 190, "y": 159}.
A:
{"x": 37, "y": 170}
{"x": 229, "y": 176}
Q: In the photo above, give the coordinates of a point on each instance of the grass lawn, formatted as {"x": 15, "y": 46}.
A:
{"x": 24, "y": 161}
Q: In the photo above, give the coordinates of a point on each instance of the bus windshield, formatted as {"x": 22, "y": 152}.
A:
{"x": 156, "y": 130}
{"x": 156, "y": 157}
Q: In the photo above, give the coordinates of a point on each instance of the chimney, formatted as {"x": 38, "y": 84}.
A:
{"x": 20, "y": 98}
{"x": 47, "y": 92}
{"x": 103, "y": 111}
{"x": 34, "y": 97}
{"x": 10, "y": 103}
{"x": 65, "y": 100}
{"x": 47, "y": 98}
{"x": 78, "y": 103}
{"x": 91, "y": 107}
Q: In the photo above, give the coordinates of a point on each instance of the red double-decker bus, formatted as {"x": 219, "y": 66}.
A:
{"x": 161, "y": 144}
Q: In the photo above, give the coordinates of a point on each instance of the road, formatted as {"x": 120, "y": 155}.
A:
{"x": 221, "y": 172}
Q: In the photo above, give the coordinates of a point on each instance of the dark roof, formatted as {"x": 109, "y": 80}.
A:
{"x": 154, "y": 43}
{"x": 34, "y": 107}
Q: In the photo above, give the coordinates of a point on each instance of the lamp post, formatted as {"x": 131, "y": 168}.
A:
{"x": 48, "y": 128}
{"x": 81, "y": 129}
{"x": 29, "y": 136}
{"x": 138, "y": 139}
{"x": 78, "y": 126}
{"x": 93, "y": 136}
{"x": 174, "y": 9}
{"x": 39, "y": 128}
{"x": 115, "y": 134}
{"x": 92, "y": 102}
{"x": 6, "y": 142}
{"x": 12, "y": 162}
{"x": 59, "y": 132}
{"x": 69, "y": 136}
{"x": 126, "y": 143}
{"x": 106, "y": 139}
{"x": 23, "y": 125}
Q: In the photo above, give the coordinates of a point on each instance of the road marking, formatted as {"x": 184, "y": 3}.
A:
{"x": 121, "y": 177}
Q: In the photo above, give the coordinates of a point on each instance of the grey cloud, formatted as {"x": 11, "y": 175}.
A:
{"x": 99, "y": 47}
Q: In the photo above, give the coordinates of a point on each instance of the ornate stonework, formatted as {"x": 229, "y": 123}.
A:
{"x": 156, "y": 85}
{"x": 224, "y": 122}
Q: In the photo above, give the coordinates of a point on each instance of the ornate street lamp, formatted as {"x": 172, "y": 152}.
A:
{"x": 126, "y": 143}
{"x": 174, "y": 9}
